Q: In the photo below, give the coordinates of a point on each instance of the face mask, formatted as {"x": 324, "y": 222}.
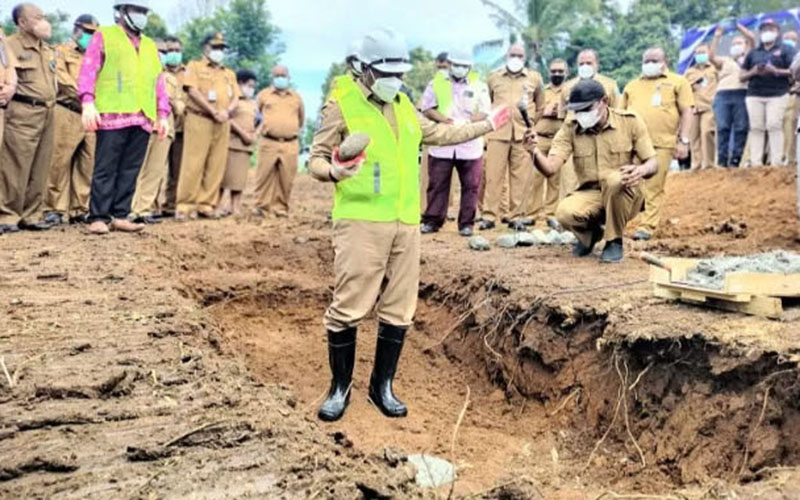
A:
{"x": 42, "y": 30}
{"x": 651, "y": 69}
{"x": 515, "y": 64}
{"x": 556, "y": 79}
{"x": 701, "y": 58}
{"x": 84, "y": 40}
{"x": 136, "y": 20}
{"x": 281, "y": 82}
{"x": 769, "y": 36}
{"x": 386, "y": 89}
{"x": 163, "y": 57}
{"x": 216, "y": 55}
{"x": 459, "y": 71}
{"x": 588, "y": 119}
{"x": 790, "y": 43}
{"x": 585, "y": 71}
{"x": 249, "y": 92}
{"x": 737, "y": 50}
{"x": 174, "y": 58}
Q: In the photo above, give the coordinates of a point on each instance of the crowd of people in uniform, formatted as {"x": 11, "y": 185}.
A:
{"x": 111, "y": 128}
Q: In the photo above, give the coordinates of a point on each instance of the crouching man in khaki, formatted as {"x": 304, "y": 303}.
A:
{"x": 376, "y": 213}
{"x": 604, "y": 144}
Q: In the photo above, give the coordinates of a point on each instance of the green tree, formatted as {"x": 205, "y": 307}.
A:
{"x": 334, "y": 70}
{"x": 424, "y": 67}
{"x": 156, "y": 27}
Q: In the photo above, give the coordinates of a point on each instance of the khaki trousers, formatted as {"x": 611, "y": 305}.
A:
{"x": 169, "y": 193}
{"x": 546, "y": 191}
{"x": 70, "y": 178}
{"x": 766, "y": 115}
{"x": 25, "y": 162}
{"x": 277, "y": 168}
{"x": 612, "y": 204}
{"x": 703, "y": 140}
{"x": 374, "y": 262}
{"x": 202, "y": 164}
{"x": 506, "y": 160}
{"x": 790, "y": 131}
{"x": 654, "y": 191}
{"x": 152, "y": 177}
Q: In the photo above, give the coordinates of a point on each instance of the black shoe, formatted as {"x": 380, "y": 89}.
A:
{"x": 527, "y": 221}
{"x": 428, "y": 228}
{"x": 146, "y": 219}
{"x": 387, "y": 353}
{"x": 466, "y": 231}
{"x": 517, "y": 226}
{"x": 342, "y": 358}
{"x": 504, "y": 220}
{"x": 553, "y": 224}
{"x": 581, "y": 250}
{"x": 36, "y": 226}
{"x": 79, "y": 219}
{"x": 54, "y": 219}
{"x": 613, "y": 252}
{"x": 486, "y": 225}
{"x": 8, "y": 228}
{"x": 167, "y": 213}
{"x": 641, "y": 235}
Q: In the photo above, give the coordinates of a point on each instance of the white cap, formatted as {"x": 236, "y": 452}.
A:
{"x": 385, "y": 50}
{"x": 142, "y": 4}
{"x": 460, "y": 57}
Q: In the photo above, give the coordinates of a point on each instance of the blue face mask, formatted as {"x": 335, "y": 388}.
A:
{"x": 83, "y": 41}
{"x": 281, "y": 82}
{"x": 701, "y": 58}
{"x": 790, "y": 43}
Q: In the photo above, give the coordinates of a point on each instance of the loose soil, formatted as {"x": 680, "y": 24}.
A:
{"x": 190, "y": 360}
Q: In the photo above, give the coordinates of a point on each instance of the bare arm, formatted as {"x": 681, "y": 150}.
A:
{"x": 547, "y": 165}
{"x": 751, "y": 37}
{"x": 246, "y": 138}
{"x": 713, "y": 55}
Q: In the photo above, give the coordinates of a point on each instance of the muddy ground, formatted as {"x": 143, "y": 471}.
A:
{"x": 189, "y": 360}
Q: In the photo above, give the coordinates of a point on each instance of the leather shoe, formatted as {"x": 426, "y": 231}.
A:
{"x": 8, "y": 228}
{"x": 125, "y": 226}
{"x": 581, "y": 250}
{"x": 54, "y": 218}
{"x": 466, "y": 231}
{"x": 613, "y": 252}
{"x": 79, "y": 219}
{"x": 428, "y": 228}
{"x": 641, "y": 235}
{"x": 36, "y": 226}
{"x": 527, "y": 221}
{"x": 146, "y": 219}
{"x": 553, "y": 224}
{"x": 98, "y": 227}
{"x": 486, "y": 225}
{"x": 517, "y": 226}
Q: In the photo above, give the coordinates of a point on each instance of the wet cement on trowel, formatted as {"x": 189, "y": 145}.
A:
{"x": 710, "y": 273}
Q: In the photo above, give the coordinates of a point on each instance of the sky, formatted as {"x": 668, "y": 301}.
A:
{"x": 316, "y": 32}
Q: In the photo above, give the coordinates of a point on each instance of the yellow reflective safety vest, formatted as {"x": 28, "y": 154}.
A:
{"x": 387, "y": 187}
{"x": 443, "y": 90}
{"x": 127, "y": 81}
{"x": 342, "y": 84}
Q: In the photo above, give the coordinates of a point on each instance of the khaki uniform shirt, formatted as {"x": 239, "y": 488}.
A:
{"x": 8, "y": 61}
{"x": 506, "y": 88}
{"x": 609, "y": 85}
{"x": 179, "y": 103}
{"x": 703, "y": 79}
{"x": 547, "y": 126}
{"x": 332, "y": 130}
{"x": 216, "y": 83}
{"x": 245, "y": 117}
{"x": 36, "y": 68}
{"x": 600, "y": 151}
{"x": 659, "y": 102}
{"x": 68, "y": 66}
{"x": 729, "y": 74}
{"x": 282, "y": 113}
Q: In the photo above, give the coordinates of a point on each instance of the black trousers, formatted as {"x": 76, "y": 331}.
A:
{"x": 119, "y": 155}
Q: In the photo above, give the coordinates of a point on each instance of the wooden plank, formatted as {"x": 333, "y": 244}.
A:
{"x": 775, "y": 285}
{"x": 767, "y": 307}
{"x": 699, "y": 294}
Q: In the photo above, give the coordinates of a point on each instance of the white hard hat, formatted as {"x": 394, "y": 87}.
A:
{"x": 354, "y": 50}
{"x": 385, "y": 50}
{"x": 142, "y": 4}
{"x": 460, "y": 57}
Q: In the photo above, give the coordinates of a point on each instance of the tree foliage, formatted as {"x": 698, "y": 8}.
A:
{"x": 156, "y": 27}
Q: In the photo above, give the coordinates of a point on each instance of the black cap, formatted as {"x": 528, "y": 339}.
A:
{"x": 584, "y": 95}
{"x": 216, "y": 39}
{"x": 87, "y": 21}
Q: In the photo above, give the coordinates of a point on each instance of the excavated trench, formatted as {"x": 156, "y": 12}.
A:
{"x": 550, "y": 399}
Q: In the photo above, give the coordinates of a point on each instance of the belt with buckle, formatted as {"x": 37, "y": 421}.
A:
{"x": 29, "y": 100}
{"x": 75, "y": 108}
{"x": 280, "y": 139}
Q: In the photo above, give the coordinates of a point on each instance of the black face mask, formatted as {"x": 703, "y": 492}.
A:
{"x": 557, "y": 79}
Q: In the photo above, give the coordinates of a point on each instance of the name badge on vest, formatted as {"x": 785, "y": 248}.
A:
{"x": 656, "y": 100}
{"x": 212, "y": 96}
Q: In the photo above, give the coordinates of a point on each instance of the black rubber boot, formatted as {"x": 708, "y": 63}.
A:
{"x": 342, "y": 358}
{"x": 387, "y": 353}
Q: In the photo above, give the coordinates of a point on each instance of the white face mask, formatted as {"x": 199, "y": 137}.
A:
{"x": 459, "y": 71}
{"x": 585, "y": 71}
{"x": 651, "y": 69}
{"x": 137, "y": 20}
{"x": 515, "y": 64}
{"x": 769, "y": 36}
{"x": 216, "y": 55}
{"x": 386, "y": 89}
{"x": 737, "y": 50}
{"x": 248, "y": 92}
{"x": 588, "y": 119}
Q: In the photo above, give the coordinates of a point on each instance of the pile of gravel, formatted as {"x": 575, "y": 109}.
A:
{"x": 710, "y": 273}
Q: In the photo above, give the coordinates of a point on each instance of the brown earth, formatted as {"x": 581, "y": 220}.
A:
{"x": 190, "y": 359}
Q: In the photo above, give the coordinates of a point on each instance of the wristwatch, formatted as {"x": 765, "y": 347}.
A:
{"x": 684, "y": 141}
